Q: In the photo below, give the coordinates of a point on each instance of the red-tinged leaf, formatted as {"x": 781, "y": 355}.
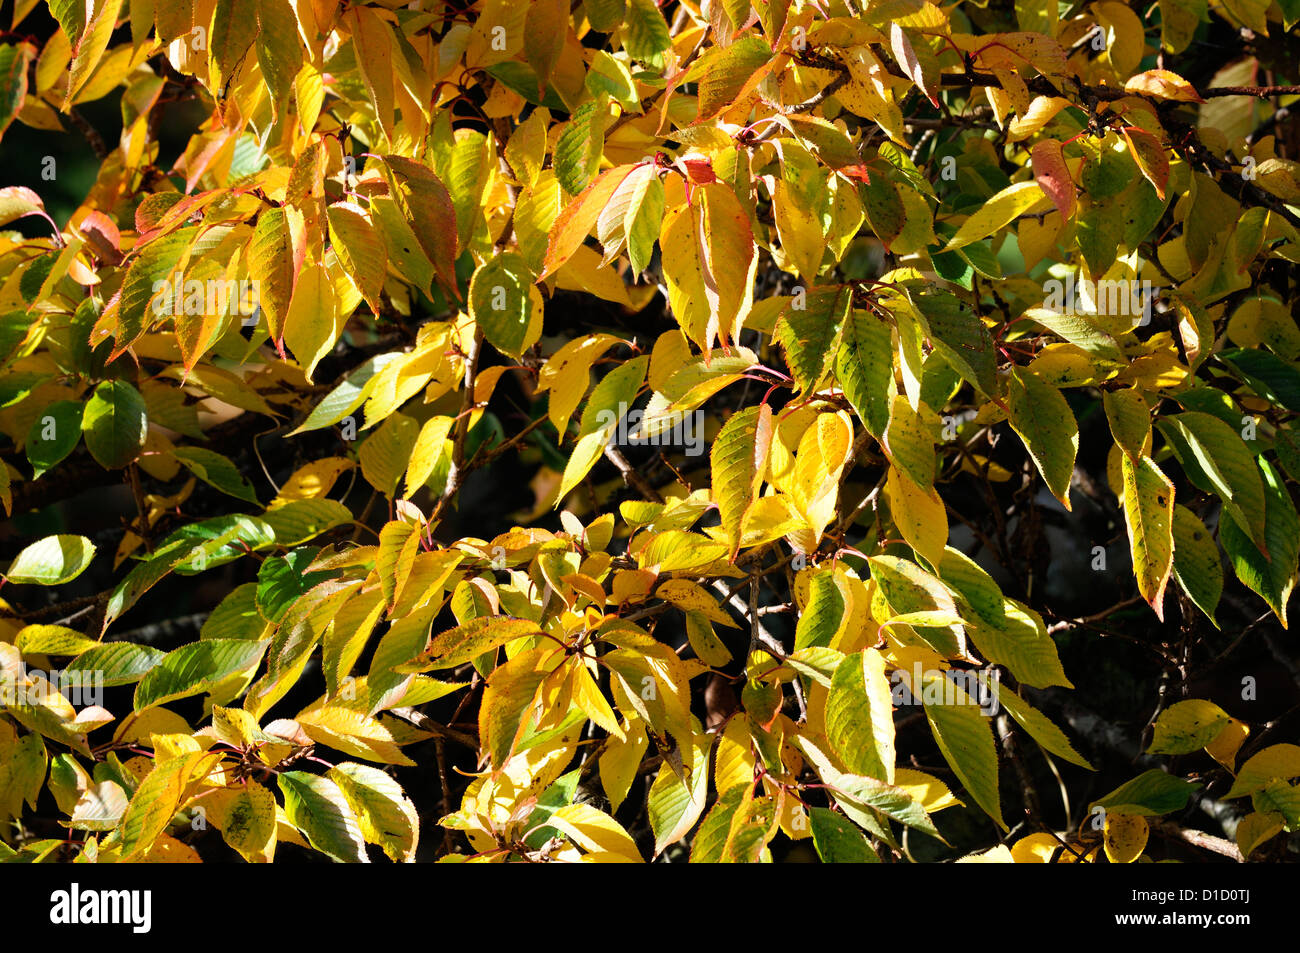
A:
{"x": 906, "y": 57}
{"x": 858, "y": 173}
{"x": 578, "y": 218}
{"x": 1053, "y": 176}
{"x": 17, "y": 202}
{"x": 728, "y": 259}
{"x": 89, "y": 49}
{"x": 372, "y": 38}
{"x": 102, "y": 237}
{"x": 14, "y": 60}
{"x": 427, "y": 205}
{"x": 1150, "y": 156}
{"x": 698, "y": 170}
{"x": 271, "y": 265}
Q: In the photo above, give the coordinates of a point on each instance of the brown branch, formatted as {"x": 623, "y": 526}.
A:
{"x": 1259, "y": 91}
{"x": 1218, "y": 845}
{"x": 425, "y": 723}
{"x": 91, "y": 134}
{"x": 631, "y": 477}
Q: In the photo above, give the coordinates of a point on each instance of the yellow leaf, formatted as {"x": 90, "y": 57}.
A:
{"x": 313, "y": 322}
{"x": 429, "y": 446}
{"x": 691, "y": 597}
{"x": 619, "y": 761}
{"x": 1224, "y": 748}
{"x": 1163, "y": 84}
{"x": 312, "y": 480}
{"x": 1149, "y": 512}
{"x": 919, "y": 515}
{"x": 997, "y": 212}
{"x": 594, "y": 831}
{"x": 1126, "y": 837}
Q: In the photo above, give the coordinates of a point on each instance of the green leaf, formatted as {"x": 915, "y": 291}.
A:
{"x": 675, "y": 803}
{"x": 711, "y": 839}
{"x": 1267, "y": 375}
{"x": 506, "y": 305}
{"x": 738, "y": 461}
{"x": 973, "y": 584}
{"x": 279, "y": 53}
{"x": 234, "y": 30}
{"x": 1130, "y": 420}
{"x": 1187, "y": 726}
{"x": 282, "y": 579}
{"x": 864, "y": 366}
{"x": 386, "y": 453}
{"x": 860, "y": 716}
{"x": 54, "y": 434}
{"x": 141, "y": 301}
{"x": 1039, "y": 726}
{"x": 727, "y": 72}
{"x": 823, "y": 613}
{"x": 51, "y": 561}
{"x": 14, "y": 60}
{"x": 960, "y": 336}
{"x": 604, "y": 15}
{"x": 196, "y": 668}
{"x": 1020, "y": 642}
{"x": 837, "y": 840}
{"x": 807, "y": 330}
{"x": 216, "y": 471}
{"x": 384, "y": 813}
{"x": 118, "y": 663}
{"x": 1042, "y": 419}
{"x": 1150, "y": 794}
{"x": 115, "y": 424}
{"x": 909, "y": 443}
{"x": 645, "y": 33}
{"x": 1079, "y": 330}
{"x": 1216, "y": 459}
{"x": 609, "y": 402}
{"x": 884, "y": 208}
{"x": 431, "y": 210}
{"x": 155, "y": 802}
{"x": 964, "y": 738}
{"x": 1197, "y": 564}
{"x": 577, "y": 151}
{"x": 1274, "y": 578}
{"x": 317, "y": 806}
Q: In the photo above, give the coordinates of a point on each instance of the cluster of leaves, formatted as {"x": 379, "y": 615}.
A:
{"x": 833, "y": 224}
